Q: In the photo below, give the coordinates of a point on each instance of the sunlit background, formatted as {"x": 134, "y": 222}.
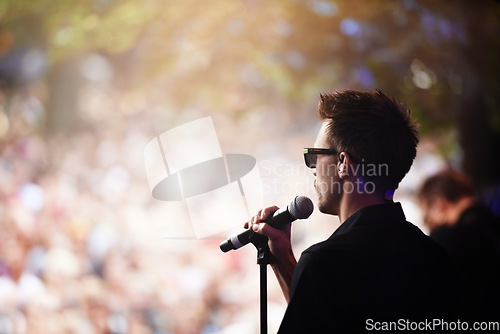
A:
{"x": 85, "y": 85}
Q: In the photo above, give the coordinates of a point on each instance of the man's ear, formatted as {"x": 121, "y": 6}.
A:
{"x": 343, "y": 165}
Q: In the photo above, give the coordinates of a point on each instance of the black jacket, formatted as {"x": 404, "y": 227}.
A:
{"x": 473, "y": 244}
{"x": 376, "y": 268}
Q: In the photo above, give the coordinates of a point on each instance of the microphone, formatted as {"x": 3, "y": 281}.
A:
{"x": 300, "y": 208}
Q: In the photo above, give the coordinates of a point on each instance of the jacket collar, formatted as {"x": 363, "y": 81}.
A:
{"x": 373, "y": 215}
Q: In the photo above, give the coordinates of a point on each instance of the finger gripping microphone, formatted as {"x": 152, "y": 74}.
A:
{"x": 300, "y": 208}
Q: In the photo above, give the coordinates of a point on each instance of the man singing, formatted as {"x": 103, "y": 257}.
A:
{"x": 376, "y": 267}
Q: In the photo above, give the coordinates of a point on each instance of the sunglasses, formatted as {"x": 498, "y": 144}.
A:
{"x": 311, "y": 155}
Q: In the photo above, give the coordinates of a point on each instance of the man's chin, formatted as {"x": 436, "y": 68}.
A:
{"x": 323, "y": 207}
{"x": 326, "y": 207}
{"x": 328, "y": 211}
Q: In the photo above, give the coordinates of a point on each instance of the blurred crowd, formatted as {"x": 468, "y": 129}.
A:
{"x": 83, "y": 247}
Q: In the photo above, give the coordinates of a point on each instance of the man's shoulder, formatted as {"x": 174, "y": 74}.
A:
{"x": 335, "y": 250}
{"x": 377, "y": 241}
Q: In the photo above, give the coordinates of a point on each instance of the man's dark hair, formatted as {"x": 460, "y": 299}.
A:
{"x": 373, "y": 129}
{"x": 449, "y": 184}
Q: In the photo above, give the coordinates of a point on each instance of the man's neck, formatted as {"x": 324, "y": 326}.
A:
{"x": 353, "y": 202}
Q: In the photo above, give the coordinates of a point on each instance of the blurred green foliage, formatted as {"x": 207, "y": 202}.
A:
{"x": 440, "y": 57}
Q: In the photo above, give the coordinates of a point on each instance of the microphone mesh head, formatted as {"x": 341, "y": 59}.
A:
{"x": 301, "y": 207}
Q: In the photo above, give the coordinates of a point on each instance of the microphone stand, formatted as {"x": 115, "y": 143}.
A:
{"x": 263, "y": 259}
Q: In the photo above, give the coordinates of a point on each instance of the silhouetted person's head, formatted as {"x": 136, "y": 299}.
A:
{"x": 444, "y": 196}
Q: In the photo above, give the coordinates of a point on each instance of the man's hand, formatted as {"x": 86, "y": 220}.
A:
{"x": 282, "y": 259}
